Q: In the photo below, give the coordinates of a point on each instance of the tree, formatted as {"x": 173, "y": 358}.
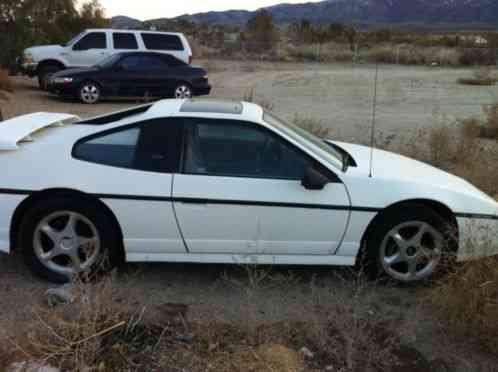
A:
{"x": 260, "y": 32}
{"x": 5, "y": 86}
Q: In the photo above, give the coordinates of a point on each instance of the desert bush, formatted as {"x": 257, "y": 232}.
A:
{"x": 490, "y": 126}
{"x": 466, "y": 299}
{"x": 312, "y": 125}
{"x": 5, "y": 82}
{"x": 250, "y": 96}
{"x": 477, "y": 57}
{"x": 481, "y": 76}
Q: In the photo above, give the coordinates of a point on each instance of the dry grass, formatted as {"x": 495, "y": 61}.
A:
{"x": 250, "y": 96}
{"x": 490, "y": 126}
{"x": 467, "y": 300}
{"x": 312, "y": 125}
{"x": 481, "y": 77}
{"x": 6, "y": 84}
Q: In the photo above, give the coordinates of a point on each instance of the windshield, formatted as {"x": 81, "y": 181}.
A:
{"x": 73, "y": 40}
{"x": 299, "y": 133}
{"x": 109, "y": 61}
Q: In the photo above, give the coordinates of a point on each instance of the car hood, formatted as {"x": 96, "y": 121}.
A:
{"x": 390, "y": 166}
{"x": 44, "y": 50}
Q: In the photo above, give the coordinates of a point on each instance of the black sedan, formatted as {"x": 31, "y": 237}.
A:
{"x": 135, "y": 74}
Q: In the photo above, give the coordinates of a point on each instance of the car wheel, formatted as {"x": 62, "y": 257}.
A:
{"x": 62, "y": 238}
{"x": 409, "y": 244}
{"x": 44, "y": 74}
{"x": 89, "y": 92}
{"x": 183, "y": 91}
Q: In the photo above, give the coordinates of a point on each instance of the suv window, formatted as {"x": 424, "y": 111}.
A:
{"x": 142, "y": 62}
{"x": 162, "y": 41}
{"x": 235, "y": 149}
{"x": 124, "y": 41}
{"x": 93, "y": 40}
{"x": 152, "y": 146}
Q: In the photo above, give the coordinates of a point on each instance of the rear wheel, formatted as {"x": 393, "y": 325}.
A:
{"x": 62, "y": 238}
{"x": 409, "y": 244}
{"x": 44, "y": 73}
{"x": 89, "y": 92}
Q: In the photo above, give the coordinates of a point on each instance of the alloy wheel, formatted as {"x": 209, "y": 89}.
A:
{"x": 183, "y": 91}
{"x": 411, "y": 251}
{"x": 67, "y": 243}
{"x": 90, "y": 93}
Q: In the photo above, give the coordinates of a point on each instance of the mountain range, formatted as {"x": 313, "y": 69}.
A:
{"x": 368, "y": 12}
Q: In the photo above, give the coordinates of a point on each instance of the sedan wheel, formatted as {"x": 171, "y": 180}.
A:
{"x": 67, "y": 243}
{"x": 90, "y": 93}
{"x": 411, "y": 251}
{"x": 183, "y": 91}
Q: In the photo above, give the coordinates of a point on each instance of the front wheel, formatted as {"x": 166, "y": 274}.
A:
{"x": 183, "y": 91}
{"x": 409, "y": 244}
{"x": 62, "y": 238}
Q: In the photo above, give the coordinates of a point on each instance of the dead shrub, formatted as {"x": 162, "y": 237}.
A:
{"x": 441, "y": 149}
{"x": 5, "y": 82}
{"x": 477, "y": 56}
{"x": 467, "y": 301}
{"x": 313, "y": 125}
{"x": 490, "y": 127}
{"x": 482, "y": 76}
{"x": 250, "y": 96}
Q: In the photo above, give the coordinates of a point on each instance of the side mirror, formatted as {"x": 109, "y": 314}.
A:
{"x": 313, "y": 179}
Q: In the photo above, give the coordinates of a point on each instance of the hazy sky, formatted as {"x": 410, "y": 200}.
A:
{"x": 147, "y": 9}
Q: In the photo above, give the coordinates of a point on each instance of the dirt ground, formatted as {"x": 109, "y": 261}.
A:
{"x": 409, "y": 97}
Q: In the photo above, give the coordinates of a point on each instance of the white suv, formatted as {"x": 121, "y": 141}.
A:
{"x": 91, "y": 46}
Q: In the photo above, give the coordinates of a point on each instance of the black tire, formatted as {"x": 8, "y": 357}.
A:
{"x": 372, "y": 256}
{"x": 44, "y": 73}
{"x": 183, "y": 90}
{"x": 89, "y": 92}
{"x": 109, "y": 254}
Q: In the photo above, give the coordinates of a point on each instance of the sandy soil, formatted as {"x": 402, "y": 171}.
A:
{"x": 409, "y": 98}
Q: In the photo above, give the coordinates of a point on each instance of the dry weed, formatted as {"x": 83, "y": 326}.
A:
{"x": 312, "y": 125}
{"x": 250, "y": 96}
{"x": 484, "y": 76}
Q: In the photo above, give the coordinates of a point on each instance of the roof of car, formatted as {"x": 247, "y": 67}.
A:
{"x": 207, "y": 108}
{"x": 123, "y": 30}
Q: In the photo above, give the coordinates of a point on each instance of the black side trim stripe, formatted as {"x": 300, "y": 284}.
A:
{"x": 16, "y": 192}
{"x": 477, "y": 216}
{"x": 243, "y": 202}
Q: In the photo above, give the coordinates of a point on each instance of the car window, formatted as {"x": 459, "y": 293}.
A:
{"x": 173, "y": 61}
{"x": 93, "y": 40}
{"x": 152, "y": 146}
{"x": 123, "y": 40}
{"x": 235, "y": 149}
{"x": 162, "y": 41}
{"x": 142, "y": 62}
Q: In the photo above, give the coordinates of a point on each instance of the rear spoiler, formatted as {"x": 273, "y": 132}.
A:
{"x": 20, "y": 129}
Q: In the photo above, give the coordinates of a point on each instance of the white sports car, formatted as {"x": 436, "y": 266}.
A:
{"x": 223, "y": 182}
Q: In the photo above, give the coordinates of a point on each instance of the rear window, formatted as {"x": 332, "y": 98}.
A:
{"x": 125, "y": 41}
{"x": 162, "y": 41}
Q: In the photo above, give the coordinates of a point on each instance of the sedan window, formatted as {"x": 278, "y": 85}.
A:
{"x": 139, "y": 62}
{"x": 234, "y": 149}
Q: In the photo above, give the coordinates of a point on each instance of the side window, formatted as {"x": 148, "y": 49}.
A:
{"x": 152, "y": 146}
{"x": 93, "y": 40}
{"x": 162, "y": 41}
{"x": 240, "y": 150}
{"x": 123, "y": 40}
{"x": 137, "y": 63}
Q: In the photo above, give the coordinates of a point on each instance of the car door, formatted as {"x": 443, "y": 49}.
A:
{"x": 140, "y": 74}
{"x": 131, "y": 169}
{"x": 240, "y": 192}
{"x": 89, "y": 50}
